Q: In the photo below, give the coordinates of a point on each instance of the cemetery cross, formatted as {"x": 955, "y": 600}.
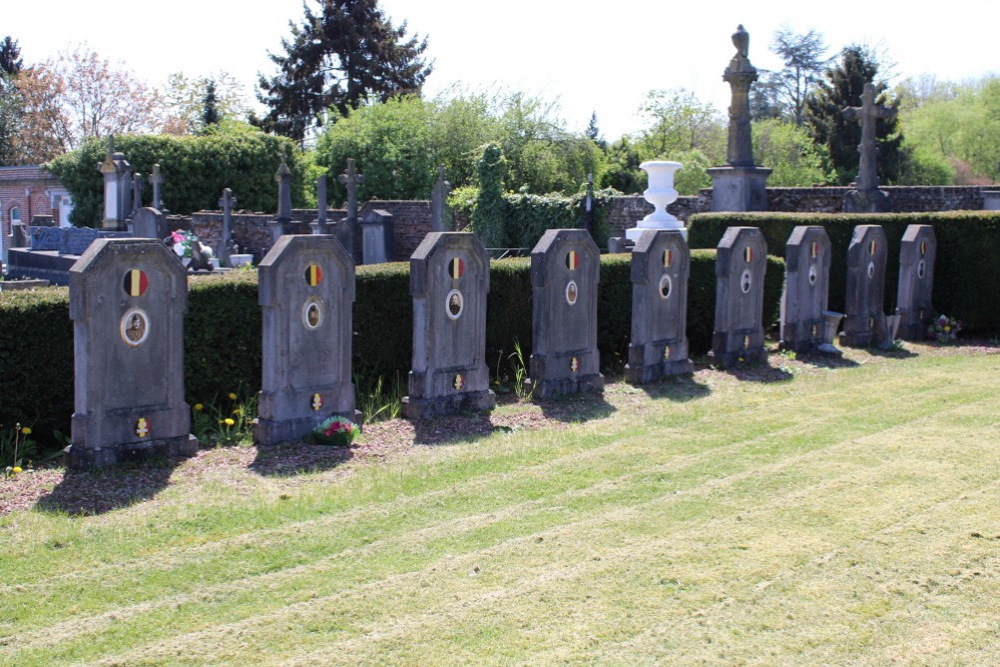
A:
{"x": 867, "y": 114}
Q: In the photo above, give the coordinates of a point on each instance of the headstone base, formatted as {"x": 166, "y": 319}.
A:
{"x": 268, "y": 432}
{"x": 546, "y": 389}
{"x": 797, "y": 337}
{"x": 862, "y": 331}
{"x": 620, "y": 244}
{"x": 85, "y": 458}
{"x": 739, "y": 188}
{"x": 724, "y": 356}
{"x": 866, "y": 201}
{"x": 638, "y": 371}
{"x": 471, "y": 401}
{"x": 913, "y": 324}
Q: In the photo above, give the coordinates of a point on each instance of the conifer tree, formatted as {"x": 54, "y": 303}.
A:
{"x": 339, "y": 55}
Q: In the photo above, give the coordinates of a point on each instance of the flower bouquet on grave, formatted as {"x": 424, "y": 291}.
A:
{"x": 337, "y": 431}
{"x": 183, "y": 243}
{"x": 944, "y": 329}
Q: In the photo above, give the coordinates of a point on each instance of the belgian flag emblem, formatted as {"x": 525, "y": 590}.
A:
{"x": 814, "y": 249}
{"x": 573, "y": 260}
{"x": 872, "y": 248}
{"x": 668, "y": 258}
{"x": 314, "y": 275}
{"x": 136, "y": 282}
{"x": 748, "y": 254}
{"x": 923, "y": 248}
{"x": 456, "y": 268}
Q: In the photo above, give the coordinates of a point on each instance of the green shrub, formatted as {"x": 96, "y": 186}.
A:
{"x": 966, "y": 269}
{"x": 222, "y": 330}
{"x": 195, "y": 169}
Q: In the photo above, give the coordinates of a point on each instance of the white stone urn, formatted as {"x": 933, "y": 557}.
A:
{"x": 660, "y": 193}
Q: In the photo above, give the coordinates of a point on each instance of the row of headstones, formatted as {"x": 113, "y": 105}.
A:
{"x": 128, "y": 298}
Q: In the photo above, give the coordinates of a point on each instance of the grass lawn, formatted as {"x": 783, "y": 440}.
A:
{"x": 802, "y": 513}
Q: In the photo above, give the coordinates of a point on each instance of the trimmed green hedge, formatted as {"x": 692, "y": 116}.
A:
{"x": 966, "y": 274}
{"x": 222, "y": 331}
{"x": 195, "y": 169}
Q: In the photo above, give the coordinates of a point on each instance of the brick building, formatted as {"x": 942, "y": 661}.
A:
{"x": 29, "y": 191}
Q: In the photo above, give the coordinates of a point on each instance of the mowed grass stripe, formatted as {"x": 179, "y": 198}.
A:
{"x": 128, "y": 585}
{"x": 386, "y": 632}
{"x": 213, "y": 641}
{"x": 645, "y": 452}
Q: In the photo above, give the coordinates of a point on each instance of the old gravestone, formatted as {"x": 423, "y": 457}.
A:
{"x": 864, "y": 319}
{"x": 806, "y": 293}
{"x": 306, "y": 291}
{"x": 661, "y": 265}
{"x": 127, "y": 302}
{"x": 565, "y": 269}
{"x": 739, "y": 298}
{"x": 449, "y": 280}
{"x": 148, "y": 223}
{"x": 917, "y": 253}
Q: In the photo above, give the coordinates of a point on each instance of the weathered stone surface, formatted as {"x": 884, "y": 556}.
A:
{"x": 306, "y": 288}
{"x": 449, "y": 280}
{"x": 864, "y": 317}
{"x": 661, "y": 266}
{"x": 917, "y": 253}
{"x": 806, "y": 293}
{"x": 739, "y": 298}
{"x": 127, "y": 302}
{"x": 148, "y": 223}
{"x": 377, "y": 237}
{"x": 565, "y": 269}
{"x": 739, "y": 188}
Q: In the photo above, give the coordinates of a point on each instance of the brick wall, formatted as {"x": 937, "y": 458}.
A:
{"x": 25, "y": 188}
{"x": 411, "y": 222}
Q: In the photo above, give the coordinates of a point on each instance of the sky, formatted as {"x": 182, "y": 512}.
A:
{"x": 588, "y": 56}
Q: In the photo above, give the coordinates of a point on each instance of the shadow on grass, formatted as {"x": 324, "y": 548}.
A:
{"x": 296, "y": 458}
{"x": 759, "y": 372}
{"x": 451, "y": 429}
{"x": 892, "y": 353}
{"x": 92, "y": 492}
{"x": 679, "y": 388}
{"x": 576, "y": 408}
{"x": 821, "y": 360}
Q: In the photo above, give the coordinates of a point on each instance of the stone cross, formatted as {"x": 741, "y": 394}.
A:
{"x": 283, "y": 177}
{"x": 352, "y": 179}
{"x": 156, "y": 180}
{"x": 867, "y": 114}
{"x": 439, "y": 203}
{"x": 226, "y": 203}
{"x": 137, "y": 183}
{"x": 739, "y": 75}
{"x": 321, "y": 203}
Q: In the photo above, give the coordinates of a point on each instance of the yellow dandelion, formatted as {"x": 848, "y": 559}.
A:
{"x": 26, "y": 430}
{"x": 198, "y": 407}
{"x": 228, "y": 421}
{"x": 17, "y": 470}
{"x": 232, "y": 396}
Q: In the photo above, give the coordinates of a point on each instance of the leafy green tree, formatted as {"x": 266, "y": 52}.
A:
{"x": 841, "y": 88}
{"x": 338, "y": 57}
{"x": 489, "y": 221}
{"x": 11, "y": 115}
{"x": 790, "y": 153}
{"x": 622, "y": 172}
{"x": 804, "y": 57}
{"x": 210, "y": 106}
{"x": 11, "y": 62}
{"x": 681, "y": 122}
{"x": 184, "y": 99}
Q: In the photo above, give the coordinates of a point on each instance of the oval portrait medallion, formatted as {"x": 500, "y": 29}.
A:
{"x": 135, "y": 327}
{"x": 454, "y": 304}
{"x": 312, "y": 313}
{"x": 746, "y": 281}
{"x": 572, "y": 292}
{"x": 665, "y": 286}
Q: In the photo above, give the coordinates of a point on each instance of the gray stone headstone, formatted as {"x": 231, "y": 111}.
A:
{"x": 47, "y": 238}
{"x": 449, "y": 280}
{"x": 377, "y": 237}
{"x": 864, "y": 317}
{"x": 661, "y": 265}
{"x": 917, "y": 253}
{"x": 306, "y": 285}
{"x": 149, "y": 223}
{"x": 565, "y": 270}
{"x": 807, "y": 288}
{"x": 283, "y": 177}
{"x": 127, "y": 302}
{"x": 739, "y": 298}
{"x": 321, "y": 226}
{"x": 19, "y": 235}
{"x": 156, "y": 180}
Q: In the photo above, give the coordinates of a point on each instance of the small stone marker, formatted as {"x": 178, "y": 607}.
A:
{"x": 449, "y": 280}
{"x": 377, "y": 237}
{"x": 916, "y": 281}
{"x": 565, "y": 270}
{"x": 156, "y": 180}
{"x": 864, "y": 318}
{"x": 148, "y": 223}
{"x": 661, "y": 265}
{"x": 127, "y": 302}
{"x": 739, "y": 298}
{"x": 806, "y": 293}
{"x": 306, "y": 285}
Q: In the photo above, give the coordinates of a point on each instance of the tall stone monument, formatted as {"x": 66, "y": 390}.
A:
{"x": 807, "y": 284}
{"x": 321, "y": 226}
{"x": 864, "y": 317}
{"x": 741, "y": 185}
{"x": 117, "y": 173}
{"x": 917, "y": 253}
{"x": 740, "y": 264}
{"x": 350, "y": 235}
{"x": 661, "y": 266}
{"x": 565, "y": 270}
{"x": 226, "y": 245}
{"x": 441, "y": 220}
{"x": 127, "y": 302}
{"x": 867, "y": 198}
{"x": 449, "y": 280}
{"x": 306, "y": 294}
